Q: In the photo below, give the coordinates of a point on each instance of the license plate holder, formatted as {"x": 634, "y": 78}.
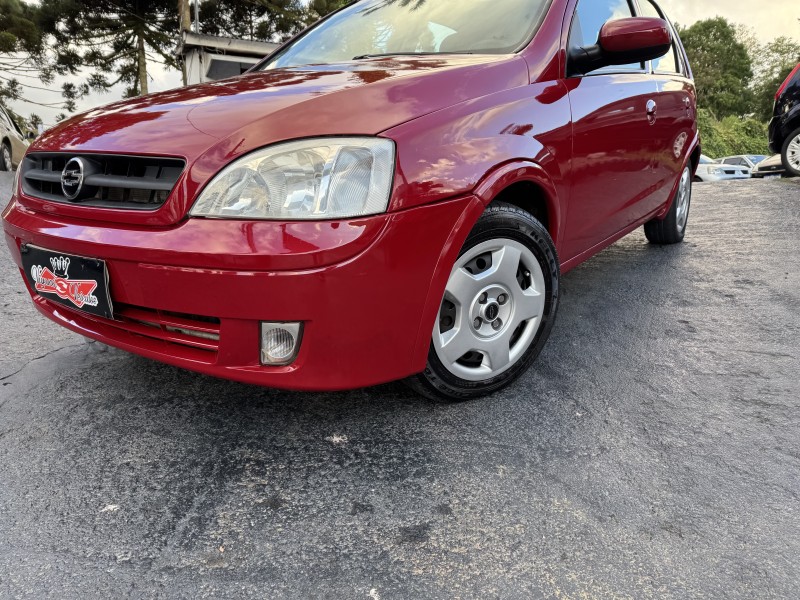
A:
{"x": 77, "y": 282}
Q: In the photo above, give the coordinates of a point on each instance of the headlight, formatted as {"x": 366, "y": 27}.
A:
{"x": 323, "y": 178}
{"x": 716, "y": 171}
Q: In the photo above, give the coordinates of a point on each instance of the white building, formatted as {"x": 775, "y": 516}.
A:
{"x": 210, "y": 57}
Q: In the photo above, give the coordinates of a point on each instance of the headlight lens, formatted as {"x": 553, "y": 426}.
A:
{"x": 324, "y": 178}
{"x": 716, "y": 171}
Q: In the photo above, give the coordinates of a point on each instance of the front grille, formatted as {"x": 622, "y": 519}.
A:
{"x": 110, "y": 181}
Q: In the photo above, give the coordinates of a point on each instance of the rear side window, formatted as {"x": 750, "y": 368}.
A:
{"x": 590, "y": 16}
{"x": 669, "y": 62}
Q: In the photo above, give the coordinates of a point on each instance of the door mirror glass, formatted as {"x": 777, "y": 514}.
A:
{"x": 623, "y": 41}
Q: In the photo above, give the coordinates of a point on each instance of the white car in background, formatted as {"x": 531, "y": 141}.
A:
{"x": 708, "y": 170}
{"x": 13, "y": 142}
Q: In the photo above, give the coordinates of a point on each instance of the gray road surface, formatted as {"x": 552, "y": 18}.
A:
{"x": 652, "y": 452}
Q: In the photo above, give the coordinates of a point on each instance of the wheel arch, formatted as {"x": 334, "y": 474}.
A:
{"x": 525, "y": 185}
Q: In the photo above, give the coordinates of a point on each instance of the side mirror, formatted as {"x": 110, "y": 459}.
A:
{"x": 30, "y": 136}
{"x": 621, "y": 42}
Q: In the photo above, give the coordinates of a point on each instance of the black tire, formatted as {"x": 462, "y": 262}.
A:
{"x": 670, "y": 230}
{"x": 3, "y": 165}
{"x": 499, "y": 221}
{"x": 790, "y": 170}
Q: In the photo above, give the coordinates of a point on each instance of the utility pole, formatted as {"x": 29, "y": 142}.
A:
{"x": 185, "y": 18}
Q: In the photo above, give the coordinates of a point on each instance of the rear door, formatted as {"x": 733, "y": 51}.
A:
{"x": 612, "y": 139}
{"x": 676, "y": 106}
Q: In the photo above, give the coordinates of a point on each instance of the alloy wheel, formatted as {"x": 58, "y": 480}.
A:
{"x": 683, "y": 199}
{"x": 793, "y": 153}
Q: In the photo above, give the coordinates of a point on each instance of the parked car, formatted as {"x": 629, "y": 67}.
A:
{"x": 784, "y": 128}
{"x": 771, "y": 167}
{"x": 364, "y": 207}
{"x": 712, "y": 170}
{"x": 13, "y": 143}
{"x": 743, "y": 160}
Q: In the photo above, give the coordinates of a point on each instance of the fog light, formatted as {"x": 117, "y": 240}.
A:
{"x": 280, "y": 342}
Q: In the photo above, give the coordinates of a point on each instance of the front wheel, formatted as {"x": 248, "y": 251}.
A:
{"x": 672, "y": 228}
{"x": 790, "y": 153}
{"x": 498, "y": 308}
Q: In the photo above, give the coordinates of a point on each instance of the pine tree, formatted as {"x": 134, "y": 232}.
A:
{"x": 263, "y": 20}
{"x": 116, "y": 39}
{"x": 27, "y": 62}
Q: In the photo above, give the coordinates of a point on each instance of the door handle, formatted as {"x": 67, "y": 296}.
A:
{"x": 652, "y": 109}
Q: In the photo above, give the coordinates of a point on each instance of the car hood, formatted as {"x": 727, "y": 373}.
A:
{"x": 233, "y": 116}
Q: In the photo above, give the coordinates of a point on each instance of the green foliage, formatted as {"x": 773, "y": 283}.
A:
{"x": 732, "y": 135}
{"x": 26, "y": 55}
{"x": 722, "y": 66}
{"x": 18, "y": 29}
{"x": 116, "y": 38}
{"x": 773, "y": 61}
{"x": 319, "y": 8}
{"x": 264, "y": 20}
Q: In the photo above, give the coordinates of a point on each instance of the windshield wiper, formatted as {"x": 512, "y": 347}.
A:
{"x": 388, "y": 54}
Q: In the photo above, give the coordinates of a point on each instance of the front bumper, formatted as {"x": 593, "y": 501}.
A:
{"x": 367, "y": 290}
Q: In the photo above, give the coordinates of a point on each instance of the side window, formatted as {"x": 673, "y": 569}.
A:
{"x": 669, "y": 62}
{"x": 590, "y": 16}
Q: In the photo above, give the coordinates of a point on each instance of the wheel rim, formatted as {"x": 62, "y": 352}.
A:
{"x": 491, "y": 311}
{"x": 793, "y": 153}
{"x": 6, "y": 157}
{"x": 683, "y": 199}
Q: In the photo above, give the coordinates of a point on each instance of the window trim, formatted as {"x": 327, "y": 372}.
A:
{"x": 678, "y": 56}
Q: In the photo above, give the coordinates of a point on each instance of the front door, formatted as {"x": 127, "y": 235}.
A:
{"x": 613, "y": 145}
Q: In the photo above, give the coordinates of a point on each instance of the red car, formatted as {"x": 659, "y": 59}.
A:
{"x": 393, "y": 194}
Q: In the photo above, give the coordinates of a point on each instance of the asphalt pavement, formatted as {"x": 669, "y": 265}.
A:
{"x": 652, "y": 452}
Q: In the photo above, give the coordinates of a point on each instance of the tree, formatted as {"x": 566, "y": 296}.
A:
{"x": 34, "y": 121}
{"x": 773, "y": 63}
{"x": 320, "y": 8}
{"x": 264, "y": 20}
{"x": 722, "y": 67}
{"x": 118, "y": 37}
{"x": 27, "y": 62}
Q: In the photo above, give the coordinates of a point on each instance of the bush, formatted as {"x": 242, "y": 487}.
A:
{"x": 731, "y": 135}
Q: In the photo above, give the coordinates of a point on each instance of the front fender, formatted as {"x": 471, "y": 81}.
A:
{"x": 451, "y": 152}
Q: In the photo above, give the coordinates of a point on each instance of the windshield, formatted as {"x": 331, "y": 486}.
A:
{"x": 704, "y": 160}
{"x": 403, "y": 27}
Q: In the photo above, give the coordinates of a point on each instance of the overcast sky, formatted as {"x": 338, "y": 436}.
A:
{"x": 768, "y": 19}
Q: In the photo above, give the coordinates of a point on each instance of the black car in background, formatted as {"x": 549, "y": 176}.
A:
{"x": 784, "y": 129}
